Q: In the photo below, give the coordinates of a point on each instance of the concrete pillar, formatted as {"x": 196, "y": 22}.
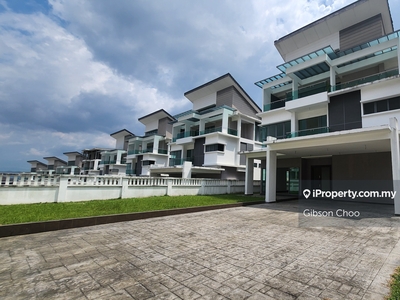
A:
{"x": 124, "y": 188}
{"x": 169, "y": 187}
{"x": 62, "y": 189}
{"x": 225, "y": 121}
{"x": 156, "y": 143}
{"x": 248, "y": 185}
{"x": 394, "y": 145}
{"x": 332, "y": 78}
{"x": 239, "y": 128}
{"x": 187, "y": 169}
{"x": 293, "y": 123}
{"x": 202, "y": 125}
{"x": 266, "y": 97}
{"x": 398, "y": 54}
{"x": 295, "y": 87}
{"x": 270, "y": 180}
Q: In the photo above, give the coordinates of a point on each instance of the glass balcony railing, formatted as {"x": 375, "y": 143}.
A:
{"x": 367, "y": 79}
{"x": 149, "y": 150}
{"x": 306, "y": 132}
{"x": 108, "y": 162}
{"x": 179, "y": 161}
{"x": 325, "y": 87}
{"x": 162, "y": 151}
{"x": 275, "y": 105}
{"x": 211, "y": 130}
{"x": 232, "y": 131}
{"x": 208, "y": 130}
{"x": 308, "y": 91}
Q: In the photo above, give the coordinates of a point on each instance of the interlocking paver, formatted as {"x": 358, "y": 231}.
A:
{"x": 256, "y": 252}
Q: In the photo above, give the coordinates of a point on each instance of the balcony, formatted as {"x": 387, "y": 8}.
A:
{"x": 108, "y": 162}
{"x": 149, "y": 150}
{"x": 232, "y": 131}
{"x": 307, "y": 132}
{"x": 185, "y": 134}
{"x": 308, "y": 91}
{"x": 162, "y": 151}
{"x": 179, "y": 161}
{"x": 367, "y": 79}
{"x": 275, "y": 105}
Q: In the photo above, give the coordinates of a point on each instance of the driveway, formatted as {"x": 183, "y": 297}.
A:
{"x": 253, "y": 252}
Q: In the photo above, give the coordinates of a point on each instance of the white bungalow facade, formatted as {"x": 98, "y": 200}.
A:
{"x": 113, "y": 162}
{"x": 329, "y": 117}
{"x": 152, "y": 149}
{"x": 207, "y": 139}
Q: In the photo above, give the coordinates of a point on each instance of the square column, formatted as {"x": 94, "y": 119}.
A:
{"x": 333, "y": 78}
{"x": 225, "y": 121}
{"x": 248, "y": 181}
{"x": 395, "y": 153}
{"x": 270, "y": 180}
{"x": 293, "y": 122}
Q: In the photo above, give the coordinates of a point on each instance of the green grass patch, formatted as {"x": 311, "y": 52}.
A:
{"x": 394, "y": 285}
{"x": 23, "y": 213}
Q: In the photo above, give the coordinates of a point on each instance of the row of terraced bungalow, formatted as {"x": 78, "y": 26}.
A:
{"x": 329, "y": 116}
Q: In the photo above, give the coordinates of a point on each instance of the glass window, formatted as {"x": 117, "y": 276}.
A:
{"x": 394, "y": 103}
{"x": 381, "y": 106}
{"x": 369, "y": 108}
{"x": 215, "y": 147}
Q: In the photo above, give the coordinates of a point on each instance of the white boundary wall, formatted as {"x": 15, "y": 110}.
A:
{"x": 33, "y": 188}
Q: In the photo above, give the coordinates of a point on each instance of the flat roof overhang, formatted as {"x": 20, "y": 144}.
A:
{"x": 363, "y": 140}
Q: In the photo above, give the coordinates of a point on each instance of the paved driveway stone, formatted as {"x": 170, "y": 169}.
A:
{"x": 256, "y": 252}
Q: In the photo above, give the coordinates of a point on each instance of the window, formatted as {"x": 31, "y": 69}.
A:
{"x": 148, "y": 162}
{"x": 278, "y": 130}
{"x": 310, "y": 123}
{"x": 382, "y": 105}
{"x": 215, "y": 147}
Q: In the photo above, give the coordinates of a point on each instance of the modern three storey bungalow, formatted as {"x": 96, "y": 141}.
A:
{"x": 37, "y": 166}
{"x": 330, "y": 115}
{"x": 150, "y": 150}
{"x": 208, "y": 138}
{"x": 74, "y": 164}
{"x": 53, "y": 163}
{"x": 91, "y": 161}
{"x": 113, "y": 162}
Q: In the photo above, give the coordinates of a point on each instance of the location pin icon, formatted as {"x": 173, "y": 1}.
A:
{"x": 306, "y": 193}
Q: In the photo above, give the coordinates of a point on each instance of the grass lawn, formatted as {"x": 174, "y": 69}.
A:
{"x": 23, "y": 213}
{"x": 395, "y": 286}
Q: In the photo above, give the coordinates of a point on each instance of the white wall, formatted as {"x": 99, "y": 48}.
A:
{"x": 152, "y": 126}
{"x": 385, "y": 89}
{"x": 332, "y": 40}
{"x": 205, "y": 101}
{"x": 275, "y": 116}
{"x": 380, "y": 119}
{"x": 83, "y": 188}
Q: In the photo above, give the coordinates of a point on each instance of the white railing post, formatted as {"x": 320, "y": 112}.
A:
{"x": 62, "y": 189}
{"x": 169, "y": 187}
{"x": 124, "y": 188}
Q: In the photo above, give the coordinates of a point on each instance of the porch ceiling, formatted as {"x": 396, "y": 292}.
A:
{"x": 366, "y": 140}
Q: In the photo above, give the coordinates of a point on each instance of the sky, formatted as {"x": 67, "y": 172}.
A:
{"x": 74, "y": 71}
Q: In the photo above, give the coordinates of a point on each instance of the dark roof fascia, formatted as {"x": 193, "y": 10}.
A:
{"x": 337, "y": 12}
{"x": 55, "y": 158}
{"x": 72, "y": 152}
{"x": 156, "y": 112}
{"x": 219, "y": 78}
{"x": 119, "y": 131}
{"x": 36, "y": 161}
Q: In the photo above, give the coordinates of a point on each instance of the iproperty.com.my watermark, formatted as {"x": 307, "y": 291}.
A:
{"x": 318, "y": 193}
